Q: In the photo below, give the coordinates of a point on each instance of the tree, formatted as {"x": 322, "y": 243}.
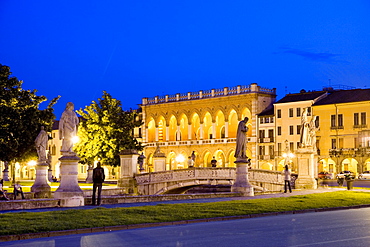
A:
{"x": 20, "y": 118}
{"x": 106, "y": 130}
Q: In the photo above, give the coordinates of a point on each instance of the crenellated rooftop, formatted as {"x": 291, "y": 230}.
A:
{"x": 212, "y": 93}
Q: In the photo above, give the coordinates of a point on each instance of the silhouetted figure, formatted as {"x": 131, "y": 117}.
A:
{"x": 287, "y": 178}
{"x": 214, "y": 162}
{"x": 98, "y": 179}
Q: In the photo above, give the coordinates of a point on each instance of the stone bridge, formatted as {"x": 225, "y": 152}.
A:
{"x": 179, "y": 181}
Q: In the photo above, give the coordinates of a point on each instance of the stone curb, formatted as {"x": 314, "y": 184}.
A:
{"x": 25, "y": 236}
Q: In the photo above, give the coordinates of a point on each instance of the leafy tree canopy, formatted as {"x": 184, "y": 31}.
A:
{"x": 20, "y": 118}
{"x": 105, "y": 131}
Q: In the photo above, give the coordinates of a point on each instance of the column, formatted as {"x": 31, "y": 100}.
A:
{"x": 201, "y": 132}
{"x": 167, "y": 133}
{"x": 214, "y": 130}
{"x": 226, "y": 129}
{"x": 189, "y": 131}
{"x": 156, "y": 133}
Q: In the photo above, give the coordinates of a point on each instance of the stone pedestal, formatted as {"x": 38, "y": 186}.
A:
{"x": 6, "y": 174}
{"x": 159, "y": 161}
{"x": 41, "y": 187}
{"x": 128, "y": 171}
{"x": 69, "y": 192}
{"x": 89, "y": 178}
{"x": 50, "y": 174}
{"x": 242, "y": 184}
{"x": 307, "y": 169}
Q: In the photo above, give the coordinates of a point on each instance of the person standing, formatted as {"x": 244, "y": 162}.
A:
{"x": 98, "y": 179}
{"x": 287, "y": 178}
{"x": 190, "y": 162}
{"x": 214, "y": 162}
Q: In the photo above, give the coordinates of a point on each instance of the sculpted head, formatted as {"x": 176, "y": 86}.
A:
{"x": 70, "y": 106}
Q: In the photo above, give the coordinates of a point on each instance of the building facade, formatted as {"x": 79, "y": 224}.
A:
{"x": 202, "y": 123}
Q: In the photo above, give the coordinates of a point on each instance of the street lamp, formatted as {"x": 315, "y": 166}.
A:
{"x": 180, "y": 158}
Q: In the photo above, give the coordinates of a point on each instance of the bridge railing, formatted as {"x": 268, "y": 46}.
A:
{"x": 186, "y": 174}
{"x": 255, "y": 175}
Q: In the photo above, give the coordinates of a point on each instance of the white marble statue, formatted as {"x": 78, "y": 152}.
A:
{"x": 312, "y": 132}
{"x": 68, "y": 127}
{"x": 304, "y": 129}
{"x": 41, "y": 144}
{"x": 241, "y": 140}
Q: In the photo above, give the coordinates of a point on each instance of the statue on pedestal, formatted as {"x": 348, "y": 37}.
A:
{"x": 41, "y": 144}
{"x": 241, "y": 140}
{"x": 68, "y": 127}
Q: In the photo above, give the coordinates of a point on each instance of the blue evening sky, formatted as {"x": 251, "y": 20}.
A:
{"x": 135, "y": 49}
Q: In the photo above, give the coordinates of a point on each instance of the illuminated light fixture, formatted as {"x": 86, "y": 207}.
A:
{"x": 180, "y": 158}
{"x": 31, "y": 163}
{"x": 75, "y": 139}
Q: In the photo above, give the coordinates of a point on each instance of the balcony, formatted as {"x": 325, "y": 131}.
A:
{"x": 266, "y": 157}
{"x": 196, "y": 142}
{"x": 266, "y": 140}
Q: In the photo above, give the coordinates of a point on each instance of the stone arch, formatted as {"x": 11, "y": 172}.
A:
{"x": 207, "y": 126}
{"x": 172, "y": 128}
{"x": 220, "y": 157}
{"x": 148, "y": 165}
{"x": 267, "y": 166}
{"x": 207, "y": 157}
{"x": 184, "y": 126}
{"x": 220, "y": 124}
{"x": 151, "y": 128}
{"x": 350, "y": 164}
{"x": 195, "y": 126}
{"x": 231, "y": 158}
{"x": 233, "y": 123}
{"x": 161, "y": 129}
{"x": 171, "y": 160}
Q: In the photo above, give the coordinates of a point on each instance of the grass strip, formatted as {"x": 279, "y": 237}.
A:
{"x": 30, "y": 222}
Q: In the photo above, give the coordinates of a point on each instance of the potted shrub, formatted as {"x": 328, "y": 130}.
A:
{"x": 349, "y": 180}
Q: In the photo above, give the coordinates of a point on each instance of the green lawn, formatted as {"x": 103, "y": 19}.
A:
{"x": 99, "y": 217}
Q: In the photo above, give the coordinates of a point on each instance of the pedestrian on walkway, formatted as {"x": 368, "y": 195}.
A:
{"x": 18, "y": 190}
{"x": 287, "y": 178}
{"x": 98, "y": 179}
{"x": 190, "y": 162}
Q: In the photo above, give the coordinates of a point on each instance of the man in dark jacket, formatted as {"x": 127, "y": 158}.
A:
{"x": 98, "y": 179}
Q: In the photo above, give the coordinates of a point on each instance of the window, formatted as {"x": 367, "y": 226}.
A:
{"x": 279, "y": 113}
{"x": 340, "y": 120}
{"x": 298, "y": 129}
{"x": 279, "y": 149}
{"x": 271, "y": 135}
{"x": 317, "y": 122}
{"x": 279, "y": 130}
{"x": 334, "y": 143}
{"x": 291, "y": 146}
{"x": 291, "y": 130}
{"x": 298, "y": 111}
{"x": 271, "y": 120}
{"x": 267, "y": 120}
{"x": 308, "y": 111}
{"x": 261, "y": 120}
{"x": 363, "y": 118}
{"x": 290, "y": 112}
{"x": 340, "y": 143}
{"x": 355, "y": 119}
{"x": 262, "y": 133}
{"x": 333, "y": 121}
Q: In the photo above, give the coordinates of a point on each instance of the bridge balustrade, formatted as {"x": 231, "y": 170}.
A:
{"x": 160, "y": 182}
